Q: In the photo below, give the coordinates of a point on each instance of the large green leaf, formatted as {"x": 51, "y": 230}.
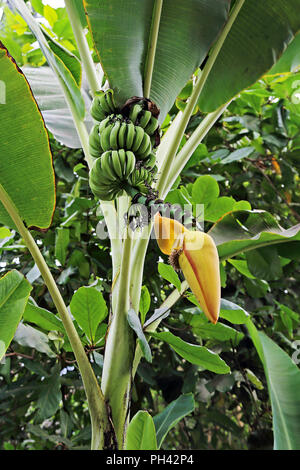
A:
{"x": 122, "y": 32}
{"x": 14, "y": 293}
{"x": 258, "y": 37}
{"x": 195, "y": 354}
{"x": 26, "y": 171}
{"x": 283, "y": 377}
{"x": 141, "y": 433}
{"x": 247, "y": 230}
{"x": 171, "y": 415}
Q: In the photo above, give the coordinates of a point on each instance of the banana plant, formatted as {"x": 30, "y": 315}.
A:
{"x": 114, "y": 109}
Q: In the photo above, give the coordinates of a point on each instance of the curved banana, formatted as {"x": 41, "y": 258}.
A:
{"x": 95, "y": 148}
{"x": 151, "y": 126}
{"x": 102, "y": 105}
{"x": 113, "y": 138}
{"x": 138, "y": 138}
{"x": 134, "y": 112}
{"x": 130, "y": 135}
{"x": 144, "y": 118}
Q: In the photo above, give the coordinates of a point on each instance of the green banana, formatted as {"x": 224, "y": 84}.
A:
{"x": 107, "y": 167}
{"x": 138, "y": 138}
{"x": 144, "y": 118}
{"x": 113, "y": 138}
{"x": 96, "y": 110}
{"x": 145, "y": 147}
{"x": 122, "y": 135}
{"x": 116, "y": 163}
{"x": 102, "y": 105}
{"x": 151, "y": 126}
{"x": 95, "y": 148}
{"x": 130, "y": 135}
{"x": 130, "y": 163}
{"x": 134, "y": 112}
{"x": 150, "y": 161}
{"x": 109, "y": 95}
{"x": 105, "y": 137}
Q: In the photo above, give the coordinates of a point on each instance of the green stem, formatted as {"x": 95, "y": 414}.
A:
{"x": 83, "y": 48}
{"x": 97, "y": 407}
{"x": 119, "y": 350}
{"x": 168, "y": 303}
{"x": 152, "y": 47}
{"x": 174, "y": 145}
{"x": 188, "y": 149}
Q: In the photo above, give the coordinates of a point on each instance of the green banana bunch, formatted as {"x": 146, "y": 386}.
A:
{"x": 103, "y": 104}
{"x": 143, "y": 118}
{"x": 117, "y": 132}
{"x": 110, "y": 173}
{"x": 141, "y": 179}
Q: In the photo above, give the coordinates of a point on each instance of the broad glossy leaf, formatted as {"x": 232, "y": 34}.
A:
{"x": 283, "y": 378}
{"x": 219, "y": 332}
{"x": 257, "y": 39}
{"x": 141, "y": 433}
{"x": 56, "y": 113}
{"x": 42, "y": 317}
{"x": 14, "y": 293}
{"x": 195, "y": 354}
{"x": 26, "y": 171}
{"x": 171, "y": 415}
{"x": 89, "y": 309}
{"x": 121, "y": 30}
{"x": 167, "y": 272}
{"x": 205, "y": 189}
{"x": 232, "y": 312}
{"x": 247, "y": 230}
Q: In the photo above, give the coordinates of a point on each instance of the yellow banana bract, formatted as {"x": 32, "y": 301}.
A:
{"x": 199, "y": 262}
{"x": 197, "y": 258}
{"x": 167, "y": 232}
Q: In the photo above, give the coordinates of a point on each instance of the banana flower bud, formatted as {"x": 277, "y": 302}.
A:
{"x": 195, "y": 253}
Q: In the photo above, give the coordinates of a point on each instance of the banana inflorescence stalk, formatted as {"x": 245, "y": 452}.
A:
{"x": 122, "y": 144}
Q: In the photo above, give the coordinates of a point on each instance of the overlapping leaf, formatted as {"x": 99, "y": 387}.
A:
{"x": 257, "y": 39}
{"x": 26, "y": 171}
{"x": 122, "y": 32}
{"x": 247, "y": 230}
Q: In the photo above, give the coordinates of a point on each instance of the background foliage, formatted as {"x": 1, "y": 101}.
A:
{"x": 250, "y": 160}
